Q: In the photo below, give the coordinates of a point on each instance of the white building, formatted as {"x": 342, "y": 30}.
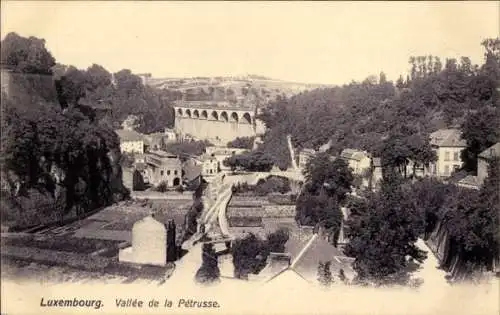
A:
{"x": 304, "y": 156}
{"x": 448, "y": 145}
{"x": 130, "y": 141}
{"x": 164, "y": 167}
{"x": 170, "y": 135}
{"x": 358, "y": 161}
{"x": 210, "y": 166}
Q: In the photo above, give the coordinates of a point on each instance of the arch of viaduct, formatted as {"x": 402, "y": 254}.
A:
{"x": 224, "y": 115}
{"x": 224, "y": 124}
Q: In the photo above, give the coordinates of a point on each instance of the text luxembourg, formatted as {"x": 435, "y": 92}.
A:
{"x": 97, "y": 304}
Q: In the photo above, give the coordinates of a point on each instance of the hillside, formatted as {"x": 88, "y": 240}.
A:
{"x": 375, "y": 113}
{"x": 267, "y": 87}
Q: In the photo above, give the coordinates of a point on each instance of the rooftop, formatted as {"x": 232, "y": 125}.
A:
{"x": 191, "y": 171}
{"x": 353, "y": 154}
{"x": 493, "y": 151}
{"x": 447, "y": 138}
{"x": 308, "y": 251}
{"x": 470, "y": 181}
{"x": 308, "y": 151}
{"x": 129, "y": 135}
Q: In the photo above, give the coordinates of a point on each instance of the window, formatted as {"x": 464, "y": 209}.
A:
{"x": 456, "y": 156}
{"x": 161, "y": 173}
{"x": 175, "y": 172}
{"x": 168, "y": 172}
{"x": 446, "y": 156}
{"x": 446, "y": 170}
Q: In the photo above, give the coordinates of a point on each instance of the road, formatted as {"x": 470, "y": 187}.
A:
{"x": 434, "y": 278}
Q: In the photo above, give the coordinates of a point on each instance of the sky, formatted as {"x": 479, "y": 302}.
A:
{"x": 318, "y": 42}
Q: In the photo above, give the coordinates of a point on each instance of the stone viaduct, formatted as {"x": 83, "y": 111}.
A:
{"x": 216, "y": 121}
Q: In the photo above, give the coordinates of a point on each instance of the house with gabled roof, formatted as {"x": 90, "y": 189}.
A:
{"x": 448, "y": 145}
{"x": 131, "y": 141}
{"x": 359, "y": 161}
{"x": 483, "y": 160}
{"x": 304, "y": 156}
{"x": 304, "y": 252}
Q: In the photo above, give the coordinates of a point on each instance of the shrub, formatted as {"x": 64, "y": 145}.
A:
{"x": 162, "y": 187}
{"x": 179, "y": 189}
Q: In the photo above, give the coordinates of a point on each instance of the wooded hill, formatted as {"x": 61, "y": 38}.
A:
{"x": 362, "y": 115}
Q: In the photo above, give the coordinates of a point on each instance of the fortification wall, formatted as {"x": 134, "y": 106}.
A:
{"x": 21, "y": 85}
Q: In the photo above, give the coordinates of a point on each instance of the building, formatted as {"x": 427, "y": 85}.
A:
{"x": 170, "y": 135}
{"x": 471, "y": 182}
{"x": 155, "y": 141}
{"x": 210, "y": 166}
{"x": 483, "y": 161}
{"x": 214, "y": 121}
{"x": 358, "y": 161}
{"x": 192, "y": 173}
{"x": 303, "y": 254}
{"x": 448, "y": 145}
{"x": 377, "y": 174}
{"x": 163, "y": 167}
{"x": 130, "y": 141}
{"x": 304, "y": 156}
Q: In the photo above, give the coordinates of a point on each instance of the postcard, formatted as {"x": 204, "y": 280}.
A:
{"x": 250, "y": 157}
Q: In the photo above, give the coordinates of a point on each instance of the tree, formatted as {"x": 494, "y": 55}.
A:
{"x": 405, "y": 145}
{"x": 187, "y": 149}
{"x": 382, "y": 233}
{"x": 27, "y": 55}
{"x": 249, "y": 255}
{"x": 480, "y": 131}
{"x": 325, "y": 274}
{"x": 334, "y": 177}
{"x": 138, "y": 181}
{"x": 242, "y": 143}
{"x": 472, "y": 219}
{"x": 319, "y": 210}
{"x": 254, "y": 161}
{"x": 209, "y": 272}
{"x": 428, "y": 196}
{"x": 276, "y": 241}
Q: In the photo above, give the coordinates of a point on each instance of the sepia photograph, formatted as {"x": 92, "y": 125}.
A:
{"x": 250, "y": 157}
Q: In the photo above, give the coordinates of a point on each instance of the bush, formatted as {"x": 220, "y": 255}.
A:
{"x": 179, "y": 189}
{"x": 242, "y": 143}
{"x": 276, "y": 241}
{"x": 255, "y": 161}
{"x": 162, "y": 187}
{"x": 209, "y": 271}
{"x": 271, "y": 185}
